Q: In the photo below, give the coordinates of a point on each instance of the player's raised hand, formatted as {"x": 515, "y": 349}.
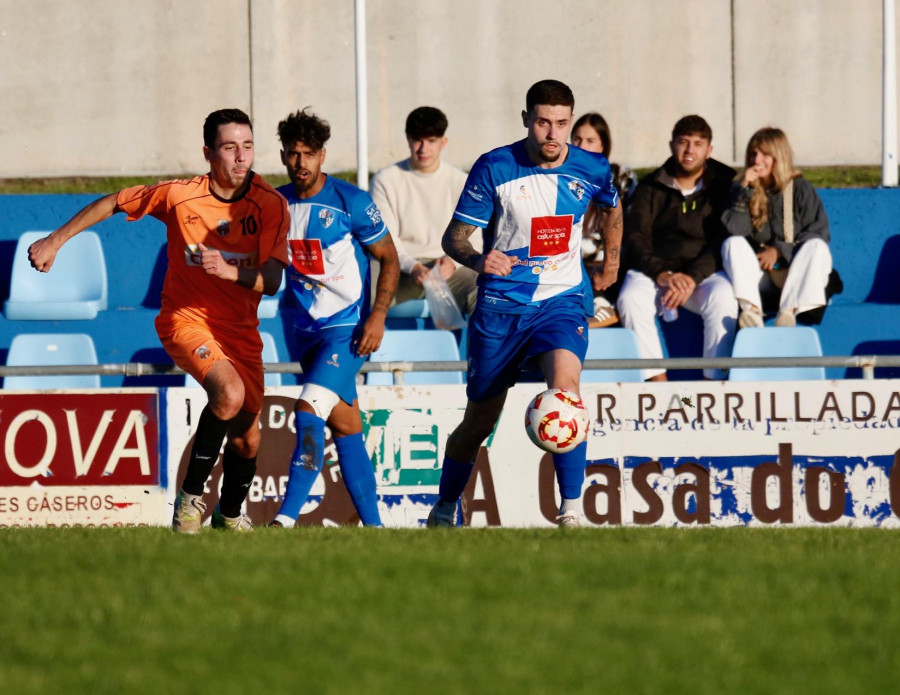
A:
{"x": 213, "y": 263}
{"x": 42, "y": 253}
{"x": 497, "y": 263}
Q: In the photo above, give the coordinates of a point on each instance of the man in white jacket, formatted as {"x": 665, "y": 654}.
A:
{"x": 417, "y": 198}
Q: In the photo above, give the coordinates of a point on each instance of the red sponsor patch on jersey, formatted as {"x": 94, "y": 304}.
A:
{"x": 550, "y": 235}
{"x": 306, "y": 256}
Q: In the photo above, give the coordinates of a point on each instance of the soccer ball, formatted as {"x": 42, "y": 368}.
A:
{"x": 557, "y": 421}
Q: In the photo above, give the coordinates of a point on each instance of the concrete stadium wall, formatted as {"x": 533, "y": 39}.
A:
{"x": 107, "y": 87}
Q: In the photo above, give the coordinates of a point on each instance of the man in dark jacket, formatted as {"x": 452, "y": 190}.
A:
{"x": 671, "y": 247}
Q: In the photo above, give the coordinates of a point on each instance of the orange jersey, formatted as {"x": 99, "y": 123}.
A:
{"x": 247, "y": 231}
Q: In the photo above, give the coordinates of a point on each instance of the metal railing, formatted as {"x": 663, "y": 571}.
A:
{"x": 865, "y": 363}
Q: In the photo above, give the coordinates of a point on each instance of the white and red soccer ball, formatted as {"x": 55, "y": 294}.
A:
{"x": 557, "y": 421}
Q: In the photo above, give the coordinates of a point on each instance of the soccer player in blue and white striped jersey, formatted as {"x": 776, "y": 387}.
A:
{"x": 529, "y": 201}
{"x": 334, "y": 229}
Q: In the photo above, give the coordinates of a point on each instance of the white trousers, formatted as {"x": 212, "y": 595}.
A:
{"x": 804, "y": 288}
{"x": 713, "y": 299}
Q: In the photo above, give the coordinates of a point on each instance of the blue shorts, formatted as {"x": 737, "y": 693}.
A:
{"x": 328, "y": 358}
{"x": 502, "y": 346}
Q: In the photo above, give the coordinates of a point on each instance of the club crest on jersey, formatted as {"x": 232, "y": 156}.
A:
{"x": 374, "y": 213}
{"x": 203, "y": 352}
{"x": 326, "y": 217}
{"x": 577, "y": 189}
{"x": 223, "y": 227}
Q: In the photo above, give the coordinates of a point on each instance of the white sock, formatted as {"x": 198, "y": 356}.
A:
{"x": 569, "y": 507}
{"x": 286, "y": 521}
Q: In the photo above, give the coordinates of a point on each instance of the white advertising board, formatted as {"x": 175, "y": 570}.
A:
{"x": 669, "y": 454}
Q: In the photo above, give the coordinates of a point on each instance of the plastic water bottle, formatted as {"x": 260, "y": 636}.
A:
{"x": 668, "y": 315}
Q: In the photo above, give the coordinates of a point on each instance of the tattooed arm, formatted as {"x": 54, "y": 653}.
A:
{"x": 611, "y": 230}
{"x": 456, "y": 244}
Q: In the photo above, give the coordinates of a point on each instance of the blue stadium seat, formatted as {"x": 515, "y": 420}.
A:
{"x": 268, "y": 306}
{"x": 75, "y": 287}
{"x": 269, "y": 354}
{"x": 607, "y": 344}
{"x": 37, "y": 349}
{"x": 413, "y": 314}
{"x": 416, "y": 346}
{"x": 774, "y": 341}
{"x": 410, "y": 309}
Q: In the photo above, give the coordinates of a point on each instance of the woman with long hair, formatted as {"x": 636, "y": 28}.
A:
{"x": 778, "y": 244}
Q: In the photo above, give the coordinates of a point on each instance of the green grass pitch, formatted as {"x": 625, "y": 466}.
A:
{"x": 351, "y": 610}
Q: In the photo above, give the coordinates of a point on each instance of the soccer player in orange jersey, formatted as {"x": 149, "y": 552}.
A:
{"x": 227, "y": 245}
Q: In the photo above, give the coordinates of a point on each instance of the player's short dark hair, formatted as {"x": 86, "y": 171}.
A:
{"x": 549, "y": 92}
{"x": 692, "y": 125}
{"x": 222, "y": 117}
{"x": 599, "y": 124}
{"x": 426, "y": 122}
{"x": 304, "y": 127}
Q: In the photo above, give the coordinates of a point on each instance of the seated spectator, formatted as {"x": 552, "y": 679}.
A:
{"x": 778, "y": 248}
{"x": 417, "y": 198}
{"x": 591, "y": 132}
{"x": 673, "y": 232}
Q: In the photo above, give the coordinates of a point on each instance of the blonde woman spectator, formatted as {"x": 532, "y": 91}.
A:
{"x": 778, "y": 248}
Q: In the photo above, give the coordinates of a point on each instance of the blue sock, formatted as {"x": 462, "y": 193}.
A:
{"x": 454, "y": 477}
{"x": 570, "y": 471}
{"x": 359, "y": 477}
{"x": 306, "y": 462}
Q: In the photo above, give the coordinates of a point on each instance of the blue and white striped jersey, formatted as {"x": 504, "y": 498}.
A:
{"x": 534, "y": 215}
{"x": 329, "y": 270}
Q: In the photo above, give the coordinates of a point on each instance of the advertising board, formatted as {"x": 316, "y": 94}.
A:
{"x": 81, "y": 459}
{"x": 669, "y": 454}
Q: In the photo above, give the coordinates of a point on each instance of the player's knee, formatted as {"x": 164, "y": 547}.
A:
{"x": 226, "y": 400}
{"x": 321, "y": 400}
{"x": 246, "y": 445}
{"x": 472, "y": 433}
{"x": 344, "y": 427}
